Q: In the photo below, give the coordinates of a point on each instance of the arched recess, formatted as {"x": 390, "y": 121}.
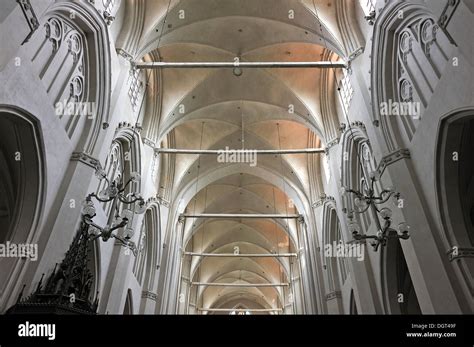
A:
{"x": 71, "y": 56}
{"x": 93, "y": 264}
{"x": 22, "y": 187}
{"x": 357, "y": 163}
{"x": 353, "y": 304}
{"x": 128, "y": 306}
{"x": 455, "y": 191}
{"x": 148, "y": 244}
{"x": 167, "y": 166}
{"x": 409, "y": 56}
{"x": 336, "y": 267}
{"x": 398, "y": 292}
{"x": 315, "y": 169}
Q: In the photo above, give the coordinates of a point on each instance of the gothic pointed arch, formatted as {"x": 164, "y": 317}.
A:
{"x": 149, "y": 241}
{"x": 398, "y": 291}
{"x": 455, "y": 191}
{"x": 71, "y": 56}
{"x": 357, "y": 165}
{"x": 122, "y": 162}
{"x": 409, "y": 56}
{"x": 22, "y": 185}
{"x": 334, "y": 264}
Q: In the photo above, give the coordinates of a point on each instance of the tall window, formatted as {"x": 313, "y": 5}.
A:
{"x": 336, "y": 266}
{"x": 346, "y": 90}
{"x": 136, "y": 86}
{"x": 140, "y": 260}
{"x": 108, "y": 5}
{"x": 113, "y": 168}
{"x": 368, "y": 6}
{"x": 327, "y": 171}
{"x": 341, "y": 261}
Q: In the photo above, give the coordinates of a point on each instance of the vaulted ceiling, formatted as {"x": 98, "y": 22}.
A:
{"x": 260, "y": 109}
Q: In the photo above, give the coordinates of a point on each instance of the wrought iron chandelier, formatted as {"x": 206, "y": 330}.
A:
{"x": 367, "y": 199}
{"x": 132, "y": 203}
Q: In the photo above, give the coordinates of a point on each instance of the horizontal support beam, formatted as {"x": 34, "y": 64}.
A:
{"x": 242, "y": 65}
{"x": 246, "y": 285}
{"x": 233, "y": 151}
{"x": 239, "y": 309}
{"x": 229, "y": 255}
{"x": 240, "y": 215}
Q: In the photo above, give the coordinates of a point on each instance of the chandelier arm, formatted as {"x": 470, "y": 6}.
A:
{"x": 95, "y": 237}
{"x": 95, "y": 225}
{"x": 88, "y": 219}
{"x": 365, "y": 209}
{"x": 128, "y": 202}
{"x": 90, "y": 196}
{"x": 93, "y": 195}
{"x": 364, "y": 188}
{"x": 126, "y": 185}
{"x": 123, "y": 223}
{"x": 106, "y": 179}
{"x": 383, "y": 200}
{"x": 386, "y": 227}
{"x": 375, "y": 207}
{"x": 121, "y": 240}
{"x": 123, "y": 200}
{"x": 125, "y": 244}
{"x": 359, "y": 194}
{"x": 364, "y": 237}
{"x": 372, "y": 184}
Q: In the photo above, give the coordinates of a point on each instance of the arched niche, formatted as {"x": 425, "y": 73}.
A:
{"x": 353, "y": 304}
{"x": 336, "y": 267}
{"x": 93, "y": 264}
{"x": 455, "y": 191}
{"x": 21, "y": 174}
{"x": 148, "y": 244}
{"x": 128, "y": 306}
{"x": 398, "y": 291}
{"x": 21, "y": 185}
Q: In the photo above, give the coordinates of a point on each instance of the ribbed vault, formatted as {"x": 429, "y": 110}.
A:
{"x": 257, "y": 109}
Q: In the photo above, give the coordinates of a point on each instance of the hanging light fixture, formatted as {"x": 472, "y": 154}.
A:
{"x": 132, "y": 202}
{"x": 366, "y": 200}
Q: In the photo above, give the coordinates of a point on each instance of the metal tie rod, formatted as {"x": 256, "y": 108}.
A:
{"x": 239, "y": 309}
{"x": 229, "y": 255}
{"x": 240, "y": 215}
{"x": 251, "y": 285}
{"x": 231, "y": 151}
{"x": 242, "y": 64}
